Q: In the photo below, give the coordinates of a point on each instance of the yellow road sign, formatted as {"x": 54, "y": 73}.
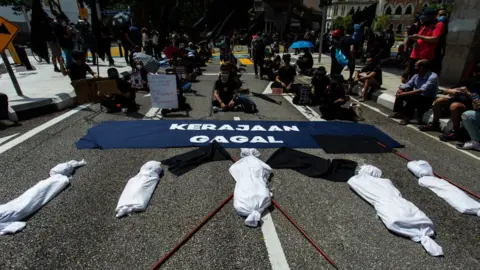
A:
{"x": 8, "y": 31}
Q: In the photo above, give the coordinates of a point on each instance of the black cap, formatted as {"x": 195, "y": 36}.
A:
{"x": 429, "y": 12}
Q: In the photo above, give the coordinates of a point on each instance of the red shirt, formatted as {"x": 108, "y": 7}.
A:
{"x": 169, "y": 51}
{"x": 423, "y": 49}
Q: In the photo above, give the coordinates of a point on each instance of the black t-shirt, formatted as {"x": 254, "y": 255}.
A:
{"x": 287, "y": 74}
{"x": 377, "y": 70}
{"x": 78, "y": 72}
{"x": 226, "y": 91}
{"x": 60, "y": 32}
{"x": 333, "y": 93}
{"x": 345, "y": 44}
{"x": 309, "y": 58}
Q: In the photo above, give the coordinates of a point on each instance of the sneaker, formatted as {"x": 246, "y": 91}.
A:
{"x": 433, "y": 126}
{"x": 216, "y": 109}
{"x": 451, "y": 136}
{"x": 471, "y": 145}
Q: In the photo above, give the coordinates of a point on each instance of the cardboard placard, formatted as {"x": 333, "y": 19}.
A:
{"x": 163, "y": 91}
{"x": 277, "y": 91}
{"x": 88, "y": 90}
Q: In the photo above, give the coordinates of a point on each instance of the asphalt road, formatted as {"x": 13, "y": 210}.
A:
{"x": 78, "y": 229}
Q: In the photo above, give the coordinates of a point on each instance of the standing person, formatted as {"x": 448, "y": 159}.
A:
{"x": 127, "y": 42}
{"x": 425, "y": 42}
{"x": 335, "y": 68}
{"x": 54, "y": 48}
{"x": 389, "y": 38}
{"x": 65, "y": 38}
{"x": 258, "y": 51}
{"x": 417, "y": 94}
{"x": 347, "y": 46}
{"x": 146, "y": 45}
{"x": 106, "y": 42}
{"x": 442, "y": 18}
{"x": 155, "y": 44}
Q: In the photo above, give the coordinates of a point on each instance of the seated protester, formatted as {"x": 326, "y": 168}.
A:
{"x": 267, "y": 69}
{"x": 114, "y": 103}
{"x": 335, "y": 103}
{"x": 286, "y": 74}
{"x": 305, "y": 62}
{"x": 471, "y": 122}
{"x": 139, "y": 79}
{"x": 4, "y": 121}
{"x": 370, "y": 77}
{"x": 277, "y": 63}
{"x": 417, "y": 94}
{"x": 78, "y": 69}
{"x": 170, "y": 50}
{"x": 320, "y": 82}
{"x": 225, "y": 91}
{"x": 458, "y": 101}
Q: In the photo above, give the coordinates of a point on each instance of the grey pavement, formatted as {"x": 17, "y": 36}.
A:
{"x": 78, "y": 230}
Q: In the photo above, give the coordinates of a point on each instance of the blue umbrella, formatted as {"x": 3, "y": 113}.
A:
{"x": 301, "y": 44}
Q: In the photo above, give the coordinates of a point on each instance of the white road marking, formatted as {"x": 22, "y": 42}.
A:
{"x": 308, "y": 112}
{"x": 416, "y": 129}
{"x": 272, "y": 242}
{"x": 4, "y": 139}
{"x": 40, "y": 128}
{"x": 147, "y": 95}
{"x": 153, "y": 114}
{"x": 268, "y": 89}
{"x": 216, "y": 73}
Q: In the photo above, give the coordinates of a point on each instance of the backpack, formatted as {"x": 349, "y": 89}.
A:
{"x": 341, "y": 58}
{"x": 303, "y": 96}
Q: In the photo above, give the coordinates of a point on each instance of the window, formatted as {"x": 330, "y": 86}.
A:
{"x": 335, "y": 11}
{"x": 399, "y": 10}
{"x": 409, "y": 10}
{"x": 388, "y": 11}
{"x": 343, "y": 11}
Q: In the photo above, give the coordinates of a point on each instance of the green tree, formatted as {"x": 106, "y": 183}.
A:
{"x": 337, "y": 22}
{"x": 382, "y": 23}
{"x": 347, "y": 22}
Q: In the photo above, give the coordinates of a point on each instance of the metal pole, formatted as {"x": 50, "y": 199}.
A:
{"x": 12, "y": 74}
{"x": 27, "y": 20}
{"x": 322, "y": 32}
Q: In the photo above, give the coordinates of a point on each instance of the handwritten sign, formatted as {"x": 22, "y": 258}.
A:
{"x": 163, "y": 91}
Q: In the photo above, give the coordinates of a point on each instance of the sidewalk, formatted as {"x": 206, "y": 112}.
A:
{"x": 43, "y": 89}
{"x": 384, "y": 96}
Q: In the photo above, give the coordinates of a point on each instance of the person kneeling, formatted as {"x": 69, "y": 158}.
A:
{"x": 225, "y": 92}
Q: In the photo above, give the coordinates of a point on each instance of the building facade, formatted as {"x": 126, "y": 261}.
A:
{"x": 401, "y": 12}
{"x": 341, "y": 8}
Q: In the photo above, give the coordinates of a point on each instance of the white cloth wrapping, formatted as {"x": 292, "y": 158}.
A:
{"x": 13, "y": 212}
{"x": 398, "y": 214}
{"x": 251, "y": 196}
{"x": 450, "y": 193}
{"x": 139, "y": 190}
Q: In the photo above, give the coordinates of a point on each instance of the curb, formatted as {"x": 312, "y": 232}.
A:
{"x": 41, "y": 107}
{"x": 388, "y": 100}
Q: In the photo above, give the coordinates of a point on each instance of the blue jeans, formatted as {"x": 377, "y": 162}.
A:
{"x": 471, "y": 122}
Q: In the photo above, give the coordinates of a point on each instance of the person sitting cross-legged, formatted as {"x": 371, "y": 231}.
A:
{"x": 370, "y": 77}
{"x": 286, "y": 74}
{"x": 225, "y": 91}
{"x": 417, "y": 94}
{"x": 336, "y": 102}
{"x": 459, "y": 100}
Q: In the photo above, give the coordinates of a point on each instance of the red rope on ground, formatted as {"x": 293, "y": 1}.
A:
{"x": 191, "y": 233}
{"x": 304, "y": 234}
{"x": 437, "y": 175}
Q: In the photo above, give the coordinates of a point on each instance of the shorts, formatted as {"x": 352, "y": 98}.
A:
{"x": 463, "y": 100}
{"x": 55, "y": 48}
